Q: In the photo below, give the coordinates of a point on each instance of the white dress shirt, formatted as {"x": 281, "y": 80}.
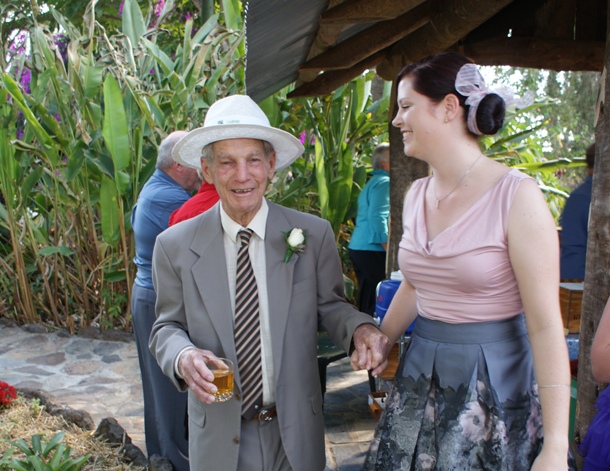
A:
{"x": 257, "y": 257}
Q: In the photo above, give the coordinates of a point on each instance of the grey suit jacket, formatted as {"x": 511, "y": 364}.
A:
{"x": 305, "y": 295}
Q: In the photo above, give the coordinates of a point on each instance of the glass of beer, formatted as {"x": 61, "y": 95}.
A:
{"x": 223, "y": 378}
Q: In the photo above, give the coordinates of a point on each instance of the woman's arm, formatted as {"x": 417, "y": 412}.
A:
{"x": 401, "y": 313}
{"x": 534, "y": 253}
{"x": 600, "y": 350}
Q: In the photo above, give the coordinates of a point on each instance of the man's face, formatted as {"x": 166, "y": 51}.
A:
{"x": 240, "y": 171}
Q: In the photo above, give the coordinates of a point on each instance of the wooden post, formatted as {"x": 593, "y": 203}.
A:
{"x": 597, "y": 274}
{"x": 403, "y": 171}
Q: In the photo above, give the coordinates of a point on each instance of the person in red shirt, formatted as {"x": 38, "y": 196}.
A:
{"x": 206, "y": 197}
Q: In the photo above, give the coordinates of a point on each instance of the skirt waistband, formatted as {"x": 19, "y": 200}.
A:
{"x": 472, "y": 332}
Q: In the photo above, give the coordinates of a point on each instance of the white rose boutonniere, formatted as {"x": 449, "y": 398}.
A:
{"x": 295, "y": 242}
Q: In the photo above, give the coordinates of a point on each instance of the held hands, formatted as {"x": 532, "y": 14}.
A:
{"x": 371, "y": 349}
{"x": 194, "y": 369}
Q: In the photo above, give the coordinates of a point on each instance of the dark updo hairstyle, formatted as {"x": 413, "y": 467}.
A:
{"x": 434, "y": 77}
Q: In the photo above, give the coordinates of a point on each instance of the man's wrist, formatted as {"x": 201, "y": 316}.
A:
{"x": 177, "y": 362}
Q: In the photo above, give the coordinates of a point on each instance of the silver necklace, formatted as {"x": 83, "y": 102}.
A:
{"x": 438, "y": 200}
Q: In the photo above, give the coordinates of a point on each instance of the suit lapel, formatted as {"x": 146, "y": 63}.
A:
{"x": 279, "y": 279}
{"x": 210, "y": 274}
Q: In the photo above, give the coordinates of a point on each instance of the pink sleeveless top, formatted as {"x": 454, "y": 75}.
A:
{"x": 464, "y": 274}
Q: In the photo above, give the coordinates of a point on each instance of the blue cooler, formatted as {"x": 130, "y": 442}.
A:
{"x": 385, "y": 293}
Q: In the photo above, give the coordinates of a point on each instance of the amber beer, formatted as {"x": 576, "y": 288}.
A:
{"x": 223, "y": 379}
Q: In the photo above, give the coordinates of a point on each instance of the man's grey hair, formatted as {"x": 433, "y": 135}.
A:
{"x": 208, "y": 155}
{"x": 380, "y": 154}
{"x": 164, "y": 154}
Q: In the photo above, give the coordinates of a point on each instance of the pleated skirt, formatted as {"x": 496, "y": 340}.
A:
{"x": 464, "y": 398}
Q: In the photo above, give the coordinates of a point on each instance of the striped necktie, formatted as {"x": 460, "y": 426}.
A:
{"x": 247, "y": 330}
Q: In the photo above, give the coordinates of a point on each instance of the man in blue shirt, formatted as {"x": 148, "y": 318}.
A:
{"x": 172, "y": 184}
{"x": 575, "y": 226}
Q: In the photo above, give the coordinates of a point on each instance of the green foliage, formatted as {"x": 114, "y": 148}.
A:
{"x": 519, "y": 145}
{"x": 339, "y": 132}
{"x": 76, "y": 149}
{"x": 568, "y": 114}
{"x": 42, "y": 455}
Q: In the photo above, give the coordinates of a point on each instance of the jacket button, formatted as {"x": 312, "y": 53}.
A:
{"x": 236, "y": 440}
{"x": 238, "y": 396}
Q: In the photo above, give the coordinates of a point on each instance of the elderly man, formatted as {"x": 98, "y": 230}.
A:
{"x": 167, "y": 189}
{"x": 253, "y": 282}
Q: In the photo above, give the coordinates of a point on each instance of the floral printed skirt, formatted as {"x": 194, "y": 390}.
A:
{"x": 464, "y": 398}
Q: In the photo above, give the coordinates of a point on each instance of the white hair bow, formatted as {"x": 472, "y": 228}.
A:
{"x": 470, "y": 83}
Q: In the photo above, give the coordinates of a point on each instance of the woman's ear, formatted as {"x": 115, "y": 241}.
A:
{"x": 451, "y": 104}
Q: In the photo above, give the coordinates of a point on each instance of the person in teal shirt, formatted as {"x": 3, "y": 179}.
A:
{"x": 367, "y": 246}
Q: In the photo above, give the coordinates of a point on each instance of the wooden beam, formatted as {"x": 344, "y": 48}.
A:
{"x": 366, "y": 11}
{"x": 383, "y": 34}
{"x": 591, "y": 19}
{"x": 328, "y": 82}
{"x": 556, "y": 19}
{"x": 456, "y": 18}
{"x": 537, "y": 53}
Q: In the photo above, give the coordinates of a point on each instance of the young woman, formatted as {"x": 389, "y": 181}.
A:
{"x": 485, "y": 381}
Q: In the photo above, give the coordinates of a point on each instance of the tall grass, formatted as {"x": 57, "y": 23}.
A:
{"x": 77, "y": 146}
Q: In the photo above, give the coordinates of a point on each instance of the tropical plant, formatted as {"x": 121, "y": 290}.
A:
{"x": 339, "y": 132}
{"x": 568, "y": 118}
{"x": 42, "y": 455}
{"x": 77, "y": 144}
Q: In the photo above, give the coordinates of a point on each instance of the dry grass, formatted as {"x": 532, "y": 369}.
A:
{"x": 25, "y": 417}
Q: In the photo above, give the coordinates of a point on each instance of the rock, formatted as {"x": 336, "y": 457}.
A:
{"x": 132, "y": 454}
{"x": 110, "y": 430}
{"x": 90, "y": 333}
{"x": 159, "y": 463}
{"x": 117, "y": 335}
{"x": 35, "y": 328}
{"x": 79, "y": 418}
{"x": 6, "y": 322}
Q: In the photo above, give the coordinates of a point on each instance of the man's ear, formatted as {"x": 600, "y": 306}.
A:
{"x": 272, "y": 161}
{"x": 205, "y": 170}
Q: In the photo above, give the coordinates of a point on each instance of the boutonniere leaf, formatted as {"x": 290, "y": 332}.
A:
{"x": 296, "y": 240}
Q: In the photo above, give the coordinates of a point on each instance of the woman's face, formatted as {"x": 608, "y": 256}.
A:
{"x": 418, "y": 118}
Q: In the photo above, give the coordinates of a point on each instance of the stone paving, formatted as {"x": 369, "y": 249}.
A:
{"x": 102, "y": 377}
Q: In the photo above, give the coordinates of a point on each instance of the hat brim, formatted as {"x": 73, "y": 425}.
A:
{"x": 187, "y": 150}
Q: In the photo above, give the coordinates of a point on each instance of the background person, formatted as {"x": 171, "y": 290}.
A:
{"x": 206, "y": 197}
{"x": 293, "y": 298}
{"x": 595, "y": 448}
{"x": 479, "y": 248}
{"x": 575, "y": 225}
{"x": 367, "y": 246}
{"x": 167, "y": 189}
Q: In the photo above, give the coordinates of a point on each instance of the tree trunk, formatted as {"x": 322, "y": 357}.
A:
{"x": 597, "y": 276}
{"x": 403, "y": 171}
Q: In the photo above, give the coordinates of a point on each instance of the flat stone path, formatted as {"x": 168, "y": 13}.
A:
{"x": 102, "y": 377}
